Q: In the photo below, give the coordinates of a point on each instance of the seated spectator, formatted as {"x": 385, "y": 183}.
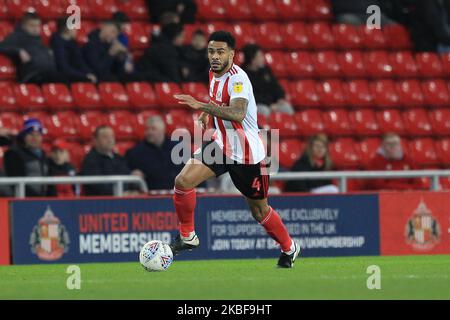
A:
{"x": 269, "y": 94}
{"x": 162, "y": 62}
{"x": 59, "y": 165}
{"x": 152, "y": 156}
{"x": 315, "y": 158}
{"x": 391, "y": 156}
{"x": 186, "y": 9}
{"x": 106, "y": 56}
{"x": 121, "y": 19}
{"x": 27, "y": 158}
{"x": 5, "y": 140}
{"x": 355, "y": 11}
{"x": 195, "y": 59}
{"x": 103, "y": 161}
{"x": 68, "y": 57}
{"x": 35, "y": 62}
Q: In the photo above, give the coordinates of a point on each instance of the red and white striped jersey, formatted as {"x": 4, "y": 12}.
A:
{"x": 240, "y": 141}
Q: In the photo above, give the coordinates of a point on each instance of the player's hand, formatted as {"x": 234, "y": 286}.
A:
{"x": 203, "y": 120}
{"x": 187, "y": 99}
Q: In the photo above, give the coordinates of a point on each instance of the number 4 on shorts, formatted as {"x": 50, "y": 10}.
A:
{"x": 256, "y": 184}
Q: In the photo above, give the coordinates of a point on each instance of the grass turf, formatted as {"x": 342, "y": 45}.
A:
{"x": 406, "y": 277}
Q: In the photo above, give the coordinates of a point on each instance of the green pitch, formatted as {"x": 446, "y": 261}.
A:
{"x": 407, "y": 277}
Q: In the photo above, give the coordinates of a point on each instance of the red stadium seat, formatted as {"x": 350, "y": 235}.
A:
{"x": 4, "y": 14}
{"x": 337, "y": 122}
{"x": 210, "y": 10}
{"x": 295, "y": 35}
{"x": 5, "y": 28}
{"x": 137, "y": 34}
{"x": 141, "y": 95}
{"x": 317, "y": 9}
{"x": 86, "y": 9}
{"x": 244, "y": 33}
{"x": 198, "y": 90}
{"x": 276, "y": 60}
{"x": 357, "y": 93}
{"x": 268, "y": 36}
{"x": 286, "y": 85}
{"x": 141, "y": 119}
{"x": 440, "y": 120}
{"x": 238, "y": 10}
{"x": 264, "y": 10}
{"x": 216, "y": 26}
{"x": 10, "y": 120}
{"x": 397, "y": 37}
{"x": 165, "y": 91}
{"x": 378, "y": 64}
{"x": 366, "y": 149}
{"x": 325, "y": 64}
{"x": 445, "y": 60}
{"x": 63, "y": 124}
{"x": 29, "y": 97}
{"x": 331, "y": 94}
{"x": 7, "y": 97}
{"x": 290, "y": 10}
{"x": 343, "y": 153}
{"x": 49, "y": 9}
{"x": 135, "y": 9}
{"x": 103, "y": 9}
{"x": 85, "y": 28}
{"x": 113, "y": 95}
{"x": 384, "y": 93}
{"x": 283, "y": 122}
{"x": 416, "y": 122}
{"x": 57, "y": 96}
{"x": 364, "y": 122}
{"x": 309, "y": 122}
{"x": 352, "y": 64}
{"x": 372, "y": 39}
{"x": 290, "y": 152}
{"x": 429, "y": 65}
{"x": 178, "y": 119}
{"x": 347, "y": 36}
{"x": 403, "y": 64}
{"x": 90, "y": 120}
{"x": 47, "y": 30}
{"x": 7, "y": 68}
{"x": 17, "y": 8}
{"x": 390, "y": 120}
{"x": 123, "y": 146}
{"x": 123, "y": 124}
{"x": 304, "y": 94}
{"x": 435, "y": 93}
{"x": 320, "y": 36}
{"x": 76, "y": 154}
{"x": 299, "y": 64}
{"x": 86, "y": 96}
{"x": 423, "y": 152}
{"x": 442, "y": 148}
{"x": 410, "y": 93}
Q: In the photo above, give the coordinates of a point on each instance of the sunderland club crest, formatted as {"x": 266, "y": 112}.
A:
{"x": 49, "y": 239}
{"x": 422, "y": 229}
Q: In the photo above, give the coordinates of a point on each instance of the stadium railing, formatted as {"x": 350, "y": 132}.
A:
{"x": 19, "y": 183}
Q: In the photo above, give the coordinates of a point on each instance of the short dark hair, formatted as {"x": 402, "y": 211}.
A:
{"x": 27, "y": 16}
{"x": 100, "y": 128}
{"x": 61, "y": 25}
{"x": 223, "y": 36}
{"x": 171, "y": 30}
{"x": 198, "y": 32}
{"x": 250, "y": 51}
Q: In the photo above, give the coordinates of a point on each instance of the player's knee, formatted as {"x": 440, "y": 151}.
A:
{"x": 259, "y": 211}
{"x": 182, "y": 182}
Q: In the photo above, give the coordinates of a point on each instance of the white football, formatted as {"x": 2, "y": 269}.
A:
{"x": 156, "y": 256}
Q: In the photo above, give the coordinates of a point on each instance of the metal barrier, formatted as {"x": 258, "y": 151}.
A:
{"x": 19, "y": 183}
{"x": 343, "y": 176}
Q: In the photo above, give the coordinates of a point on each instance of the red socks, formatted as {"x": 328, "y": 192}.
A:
{"x": 184, "y": 201}
{"x": 277, "y": 230}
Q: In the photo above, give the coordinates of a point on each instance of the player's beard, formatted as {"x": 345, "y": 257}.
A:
{"x": 224, "y": 66}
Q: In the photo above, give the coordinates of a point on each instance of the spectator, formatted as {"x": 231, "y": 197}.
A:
{"x": 391, "y": 156}
{"x": 122, "y": 20}
{"x": 186, "y": 9}
{"x": 5, "y": 140}
{"x": 152, "y": 156}
{"x": 68, "y": 57}
{"x": 268, "y": 92}
{"x": 103, "y": 161}
{"x": 315, "y": 158}
{"x": 162, "y": 62}
{"x": 104, "y": 54}
{"x": 355, "y": 11}
{"x": 195, "y": 57}
{"x": 59, "y": 165}
{"x": 27, "y": 158}
{"x": 34, "y": 60}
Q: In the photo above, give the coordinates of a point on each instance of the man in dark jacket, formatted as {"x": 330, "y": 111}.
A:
{"x": 68, "y": 57}
{"x": 28, "y": 159}
{"x": 152, "y": 156}
{"x": 34, "y": 60}
{"x": 195, "y": 59}
{"x": 103, "y": 161}
{"x": 162, "y": 62}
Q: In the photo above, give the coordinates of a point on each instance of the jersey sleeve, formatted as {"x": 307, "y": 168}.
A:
{"x": 239, "y": 87}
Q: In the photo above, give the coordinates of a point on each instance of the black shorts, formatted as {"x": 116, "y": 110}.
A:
{"x": 251, "y": 180}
